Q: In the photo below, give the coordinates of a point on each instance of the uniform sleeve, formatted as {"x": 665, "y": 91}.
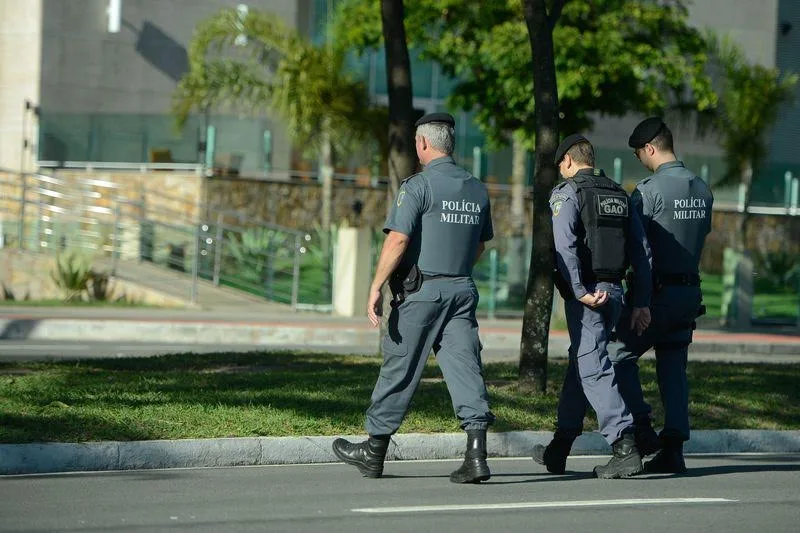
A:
{"x": 487, "y": 232}
{"x": 565, "y": 226}
{"x": 409, "y": 205}
{"x": 641, "y": 260}
{"x": 647, "y": 205}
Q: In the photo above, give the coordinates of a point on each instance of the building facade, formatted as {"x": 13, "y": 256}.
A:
{"x": 103, "y": 94}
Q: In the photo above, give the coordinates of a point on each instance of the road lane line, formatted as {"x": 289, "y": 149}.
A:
{"x": 537, "y": 505}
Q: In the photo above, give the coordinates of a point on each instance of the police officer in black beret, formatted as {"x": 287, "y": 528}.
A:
{"x": 597, "y": 236}
{"x": 436, "y": 232}
{"x": 675, "y": 208}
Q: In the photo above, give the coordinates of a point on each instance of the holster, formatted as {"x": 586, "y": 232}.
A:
{"x": 404, "y": 282}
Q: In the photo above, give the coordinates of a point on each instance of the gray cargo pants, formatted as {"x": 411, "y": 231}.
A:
{"x": 590, "y": 375}
{"x": 673, "y": 310}
{"x": 439, "y": 317}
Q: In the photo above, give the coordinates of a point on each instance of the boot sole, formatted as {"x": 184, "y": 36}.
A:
{"x": 628, "y": 471}
{"x": 478, "y": 479}
{"x": 366, "y": 472}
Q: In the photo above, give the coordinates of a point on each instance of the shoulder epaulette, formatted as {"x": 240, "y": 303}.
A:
{"x": 412, "y": 176}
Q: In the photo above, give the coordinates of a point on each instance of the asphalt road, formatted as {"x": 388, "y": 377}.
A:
{"x": 739, "y": 493}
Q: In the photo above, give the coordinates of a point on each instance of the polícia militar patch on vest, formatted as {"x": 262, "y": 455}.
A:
{"x": 612, "y": 206}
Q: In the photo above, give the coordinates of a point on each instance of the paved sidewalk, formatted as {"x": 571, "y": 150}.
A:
{"x": 274, "y": 325}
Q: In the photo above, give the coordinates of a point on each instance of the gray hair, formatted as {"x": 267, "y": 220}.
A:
{"x": 440, "y": 136}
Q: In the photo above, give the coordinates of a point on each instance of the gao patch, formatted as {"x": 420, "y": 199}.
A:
{"x": 612, "y": 206}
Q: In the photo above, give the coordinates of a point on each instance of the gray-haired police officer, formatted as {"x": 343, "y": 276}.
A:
{"x": 597, "y": 235}
{"x": 435, "y": 233}
{"x": 675, "y": 207}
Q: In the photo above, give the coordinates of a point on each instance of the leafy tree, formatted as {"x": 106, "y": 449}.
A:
{"x": 253, "y": 61}
{"x": 751, "y": 95}
{"x": 610, "y": 57}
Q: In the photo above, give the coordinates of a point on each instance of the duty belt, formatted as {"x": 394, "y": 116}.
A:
{"x": 428, "y": 277}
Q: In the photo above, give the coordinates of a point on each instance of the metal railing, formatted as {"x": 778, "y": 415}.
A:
{"x": 54, "y": 215}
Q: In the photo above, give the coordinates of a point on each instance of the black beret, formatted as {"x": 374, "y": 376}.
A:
{"x": 447, "y": 118}
{"x": 568, "y": 143}
{"x": 646, "y": 131}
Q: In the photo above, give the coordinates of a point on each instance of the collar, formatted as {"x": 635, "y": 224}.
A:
{"x": 591, "y": 172}
{"x": 668, "y": 165}
{"x": 441, "y": 161}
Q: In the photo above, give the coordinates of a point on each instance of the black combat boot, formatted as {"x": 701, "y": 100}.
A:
{"x": 367, "y": 456}
{"x": 647, "y": 440}
{"x": 625, "y": 461}
{"x": 554, "y": 456}
{"x": 669, "y": 460}
{"x": 474, "y": 468}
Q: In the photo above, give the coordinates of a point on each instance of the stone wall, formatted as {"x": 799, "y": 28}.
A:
{"x": 26, "y": 276}
{"x": 186, "y": 199}
{"x": 298, "y": 204}
{"x": 765, "y": 234}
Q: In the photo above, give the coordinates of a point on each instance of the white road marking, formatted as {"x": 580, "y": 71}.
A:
{"x": 537, "y": 505}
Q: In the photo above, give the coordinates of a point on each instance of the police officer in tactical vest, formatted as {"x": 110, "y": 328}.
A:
{"x": 435, "y": 233}
{"x": 675, "y": 208}
{"x": 597, "y": 236}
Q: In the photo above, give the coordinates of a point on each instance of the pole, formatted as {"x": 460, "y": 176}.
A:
{"x": 195, "y": 260}
{"x": 476, "y": 162}
{"x": 492, "y": 283}
{"x": 296, "y": 273}
{"x": 618, "y": 170}
{"x": 218, "y": 250}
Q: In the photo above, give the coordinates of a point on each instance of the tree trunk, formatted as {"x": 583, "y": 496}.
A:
{"x": 402, "y": 153}
{"x": 539, "y": 292}
{"x": 516, "y": 250}
{"x": 740, "y": 237}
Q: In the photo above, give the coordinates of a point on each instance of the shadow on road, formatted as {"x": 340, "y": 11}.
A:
{"x": 18, "y": 329}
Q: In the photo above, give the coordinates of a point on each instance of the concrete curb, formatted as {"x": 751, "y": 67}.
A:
{"x": 194, "y": 453}
{"x": 320, "y": 334}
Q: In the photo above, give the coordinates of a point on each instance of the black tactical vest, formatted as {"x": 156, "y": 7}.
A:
{"x": 605, "y": 213}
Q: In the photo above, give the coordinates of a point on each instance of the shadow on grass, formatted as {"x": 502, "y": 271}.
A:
{"x": 286, "y": 393}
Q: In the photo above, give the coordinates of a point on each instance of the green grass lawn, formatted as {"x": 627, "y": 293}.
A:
{"x": 280, "y": 394}
{"x": 769, "y": 300}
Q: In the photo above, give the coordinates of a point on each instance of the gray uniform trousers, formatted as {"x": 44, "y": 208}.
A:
{"x": 440, "y": 316}
{"x": 672, "y": 311}
{"x": 590, "y": 374}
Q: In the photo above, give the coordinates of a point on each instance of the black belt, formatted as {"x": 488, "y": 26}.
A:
{"x": 690, "y": 280}
{"x": 594, "y": 278}
{"x": 427, "y": 277}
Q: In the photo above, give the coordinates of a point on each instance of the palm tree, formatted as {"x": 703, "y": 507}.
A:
{"x": 253, "y": 61}
{"x": 751, "y": 96}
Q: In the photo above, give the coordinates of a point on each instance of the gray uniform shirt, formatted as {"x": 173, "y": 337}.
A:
{"x": 446, "y": 212}
{"x": 566, "y": 229}
{"x": 675, "y": 208}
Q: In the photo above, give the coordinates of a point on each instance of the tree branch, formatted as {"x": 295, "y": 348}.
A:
{"x": 555, "y": 13}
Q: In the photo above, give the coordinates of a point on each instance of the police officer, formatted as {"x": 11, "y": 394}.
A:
{"x": 596, "y": 235}
{"x": 435, "y": 233}
{"x": 675, "y": 207}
